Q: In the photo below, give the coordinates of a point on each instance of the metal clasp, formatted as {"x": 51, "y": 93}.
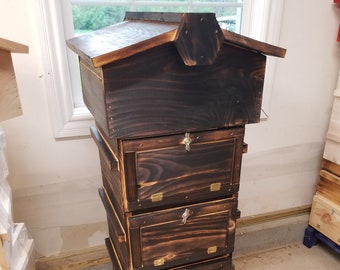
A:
{"x": 185, "y": 215}
{"x": 187, "y": 140}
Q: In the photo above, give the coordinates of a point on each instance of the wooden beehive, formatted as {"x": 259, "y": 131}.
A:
{"x": 171, "y": 94}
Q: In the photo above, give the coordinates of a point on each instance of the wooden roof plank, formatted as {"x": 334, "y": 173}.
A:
{"x": 253, "y": 44}
{"x": 121, "y": 40}
{"x": 141, "y": 31}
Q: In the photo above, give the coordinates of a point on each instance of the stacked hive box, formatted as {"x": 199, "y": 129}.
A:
{"x": 171, "y": 94}
{"x": 325, "y": 214}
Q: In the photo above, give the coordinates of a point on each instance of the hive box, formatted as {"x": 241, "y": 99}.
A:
{"x": 158, "y": 74}
{"x": 211, "y": 224}
{"x": 170, "y": 94}
{"x": 329, "y": 182}
{"x": 325, "y": 217}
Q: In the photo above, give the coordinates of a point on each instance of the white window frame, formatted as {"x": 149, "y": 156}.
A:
{"x": 261, "y": 21}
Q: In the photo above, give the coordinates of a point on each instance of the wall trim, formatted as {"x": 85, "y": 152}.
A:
{"x": 271, "y": 216}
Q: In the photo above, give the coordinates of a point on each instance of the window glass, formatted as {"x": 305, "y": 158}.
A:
{"x": 90, "y": 17}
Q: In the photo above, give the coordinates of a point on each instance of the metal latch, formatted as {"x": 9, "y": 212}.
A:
{"x": 187, "y": 140}
{"x": 186, "y": 215}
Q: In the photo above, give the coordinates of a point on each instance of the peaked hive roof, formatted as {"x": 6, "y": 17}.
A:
{"x": 197, "y": 36}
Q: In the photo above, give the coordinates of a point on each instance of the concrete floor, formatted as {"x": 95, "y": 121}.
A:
{"x": 291, "y": 257}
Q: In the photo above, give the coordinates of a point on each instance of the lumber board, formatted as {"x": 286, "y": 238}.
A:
{"x": 10, "y": 105}
{"x": 325, "y": 217}
{"x": 329, "y": 186}
{"x": 252, "y": 44}
{"x": 12, "y": 46}
{"x": 3, "y": 261}
{"x": 331, "y": 167}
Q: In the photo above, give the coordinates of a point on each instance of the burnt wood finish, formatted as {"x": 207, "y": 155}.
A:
{"x": 120, "y": 41}
{"x": 168, "y": 97}
{"x": 159, "y": 171}
{"x": 142, "y": 31}
{"x": 157, "y": 17}
{"x": 221, "y": 263}
{"x": 194, "y": 28}
{"x": 143, "y": 77}
{"x": 171, "y": 94}
{"x": 251, "y": 44}
{"x": 117, "y": 231}
{"x": 165, "y": 240}
{"x": 162, "y": 239}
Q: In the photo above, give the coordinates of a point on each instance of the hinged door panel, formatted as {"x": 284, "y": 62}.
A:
{"x": 183, "y": 235}
{"x": 182, "y": 168}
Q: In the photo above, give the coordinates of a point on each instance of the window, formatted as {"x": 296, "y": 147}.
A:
{"x": 259, "y": 19}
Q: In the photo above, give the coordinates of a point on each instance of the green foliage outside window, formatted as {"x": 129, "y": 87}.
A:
{"x": 90, "y": 18}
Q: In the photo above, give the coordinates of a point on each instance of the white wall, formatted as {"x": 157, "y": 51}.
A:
{"x": 55, "y": 182}
{"x": 281, "y": 169}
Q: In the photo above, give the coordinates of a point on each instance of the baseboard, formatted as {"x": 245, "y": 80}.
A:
{"x": 271, "y": 230}
{"x": 253, "y": 234}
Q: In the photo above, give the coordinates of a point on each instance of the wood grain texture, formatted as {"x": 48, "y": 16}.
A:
{"x": 333, "y": 132}
{"x": 162, "y": 235}
{"x": 325, "y": 217}
{"x": 10, "y": 105}
{"x": 171, "y": 97}
{"x": 252, "y": 44}
{"x": 198, "y": 39}
{"x": 160, "y": 17}
{"x": 329, "y": 186}
{"x": 142, "y": 31}
{"x": 116, "y": 264}
{"x": 110, "y": 175}
{"x": 11, "y": 46}
{"x": 119, "y": 41}
{"x": 4, "y": 264}
{"x": 332, "y": 151}
{"x": 117, "y": 231}
{"x": 220, "y": 263}
{"x": 100, "y": 256}
{"x": 331, "y": 167}
{"x": 167, "y": 97}
{"x": 141, "y": 87}
{"x": 162, "y": 166}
